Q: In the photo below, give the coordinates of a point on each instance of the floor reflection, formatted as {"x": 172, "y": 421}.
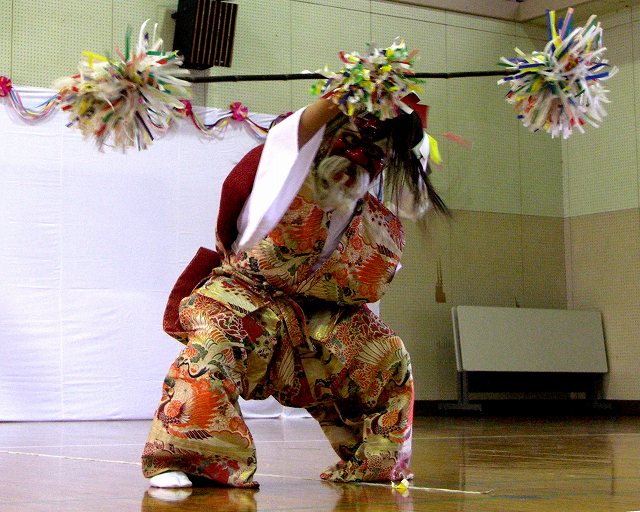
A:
{"x": 530, "y": 464}
{"x": 369, "y": 498}
{"x": 359, "y": 497}
{"x": 199, "y": 499}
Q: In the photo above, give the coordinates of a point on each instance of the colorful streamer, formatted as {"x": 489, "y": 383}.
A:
{"x": 133, "y": 99}
{"x": 237, "y": 112}
{"x": 560, "y": 88}
{"x": 374, "y": 82}
{"x": 126, "y": 102}
{"x": 29, "y": 114}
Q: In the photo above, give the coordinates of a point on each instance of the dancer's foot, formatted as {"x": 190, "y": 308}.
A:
{"x": 170, "y": 480}
{"x": 364, "y": 471}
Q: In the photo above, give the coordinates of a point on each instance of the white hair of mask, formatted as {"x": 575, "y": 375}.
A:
{"x": 339, "y": 183}
{"x": 409, "y": 207}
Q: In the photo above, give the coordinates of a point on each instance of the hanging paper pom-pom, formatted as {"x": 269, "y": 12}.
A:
{"x": 374, "y": 82}
{"x": 128, "y": 101}
{"x": 560, "y": 88}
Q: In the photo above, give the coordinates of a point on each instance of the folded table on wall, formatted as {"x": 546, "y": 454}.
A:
{"x": 523, "y": 349}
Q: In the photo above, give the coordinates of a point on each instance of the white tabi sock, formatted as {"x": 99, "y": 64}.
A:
{"x": 170, "y": 480}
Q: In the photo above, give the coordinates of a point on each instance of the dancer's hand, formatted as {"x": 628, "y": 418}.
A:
{"x": 315, "y": 117}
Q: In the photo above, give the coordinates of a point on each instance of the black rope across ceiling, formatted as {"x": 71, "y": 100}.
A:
{"x": 316, "y": 76}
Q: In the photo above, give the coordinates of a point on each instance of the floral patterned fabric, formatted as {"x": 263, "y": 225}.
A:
{"x": 358, "y": 272}
{"x": 278, "y": 321}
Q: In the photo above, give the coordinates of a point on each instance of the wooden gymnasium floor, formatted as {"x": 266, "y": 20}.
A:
{"x": 502, "y": 464}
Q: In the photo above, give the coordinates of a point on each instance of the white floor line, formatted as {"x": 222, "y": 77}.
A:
{"x": 430, "y": 489}
{"x": 67, "y": 457}
{"x": 37, "y": 447}
{"x": 129, "y": 463}
{"x": 324, "y": 440}
{"x": 380, "y": 484}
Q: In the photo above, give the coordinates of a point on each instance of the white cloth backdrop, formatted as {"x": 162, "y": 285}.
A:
{"x": 91, "y": 245}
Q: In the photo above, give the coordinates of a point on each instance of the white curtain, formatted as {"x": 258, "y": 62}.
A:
{"x": 91, "y": 245}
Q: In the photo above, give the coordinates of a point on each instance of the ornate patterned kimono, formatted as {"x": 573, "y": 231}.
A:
{"x": 279, "y": 320}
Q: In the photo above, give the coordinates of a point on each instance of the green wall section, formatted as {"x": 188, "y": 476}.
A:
{"x": 48, "y": 34}
{"x": 6, "y": 7}
{"x": 509, "y": 169}
{"x": 601, "y": 166}
{"x": 489, "y": 259}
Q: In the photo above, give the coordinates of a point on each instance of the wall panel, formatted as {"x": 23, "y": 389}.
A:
{"x": 6, "y": 23}
{"x": 319, "y": 32}
{"x": 602, "y": 164}
{"x": 49, "y": 38}
{"x": 486, "y": 178}
{"x": 262, "y": 46}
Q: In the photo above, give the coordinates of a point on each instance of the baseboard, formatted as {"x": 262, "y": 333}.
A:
{"x": 551, "y": 407}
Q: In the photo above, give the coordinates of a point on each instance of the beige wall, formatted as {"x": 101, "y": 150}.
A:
{"x": 510, "y": 196}
{"x": 487, "y": 258}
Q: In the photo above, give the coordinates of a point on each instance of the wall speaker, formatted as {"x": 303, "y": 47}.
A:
{"x": 204, "y": 32}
